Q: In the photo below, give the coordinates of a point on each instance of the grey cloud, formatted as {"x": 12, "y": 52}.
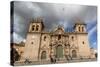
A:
{"x": 52, "y": 14}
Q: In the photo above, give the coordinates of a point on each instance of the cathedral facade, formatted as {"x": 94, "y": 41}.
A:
{"x": 58, "y": 44}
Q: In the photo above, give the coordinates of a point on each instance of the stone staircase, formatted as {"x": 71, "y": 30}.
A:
{"x": 31, "y": 63}
{"x": 21, "y": 63}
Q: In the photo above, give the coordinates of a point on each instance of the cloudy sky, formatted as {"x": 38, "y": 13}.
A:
{"x": 53, "y": 15}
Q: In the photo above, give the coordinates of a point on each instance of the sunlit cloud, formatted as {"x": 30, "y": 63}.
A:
{"x": 92, "y": 31}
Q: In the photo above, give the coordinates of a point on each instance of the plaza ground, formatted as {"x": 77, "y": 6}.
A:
{"x": 48, "y": 62}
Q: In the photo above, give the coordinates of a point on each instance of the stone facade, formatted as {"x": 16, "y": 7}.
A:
{"x": 58, "y": 44}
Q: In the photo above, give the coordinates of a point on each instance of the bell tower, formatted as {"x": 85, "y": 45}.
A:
{"x": 80, "y": 27}
{"x": 82, "y": 39}
{"x": 33, "y": 40}
{"x": 36, "y": 25}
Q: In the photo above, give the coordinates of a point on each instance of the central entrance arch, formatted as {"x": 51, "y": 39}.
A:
{"x": 59, "y": 51}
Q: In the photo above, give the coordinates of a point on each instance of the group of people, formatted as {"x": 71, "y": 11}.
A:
{"x": 52, "y": 59}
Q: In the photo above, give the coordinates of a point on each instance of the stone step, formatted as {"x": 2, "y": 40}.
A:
{"x": 48, "y": 62}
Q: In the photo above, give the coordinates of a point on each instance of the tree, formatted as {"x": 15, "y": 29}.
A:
{"x": 14, "y": 55}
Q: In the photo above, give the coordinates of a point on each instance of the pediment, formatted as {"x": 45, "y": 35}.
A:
{"x": 59, "y": 30}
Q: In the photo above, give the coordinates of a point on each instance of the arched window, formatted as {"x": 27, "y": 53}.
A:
{"x": 72, "y": 37}
{"x": 82, "y": 29}
{"x": 44, "y": 38}
{"x": 37, "y": 27}
{"x": 74, "y": 54}
{"x": 43, "y": 55}
{"x": 83, "y": 42}
{"x": 79, "y": 29}
{"x": 33, "y": 27}
{"x": 59, "y": 37}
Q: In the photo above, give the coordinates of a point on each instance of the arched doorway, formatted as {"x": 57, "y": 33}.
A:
{"x": 74, "y": 54}
{"x": 43, "y": 55}
{"x": 59, "y": 51}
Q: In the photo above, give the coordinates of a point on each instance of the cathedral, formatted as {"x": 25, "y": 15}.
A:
{"x": 42, "y": 46}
